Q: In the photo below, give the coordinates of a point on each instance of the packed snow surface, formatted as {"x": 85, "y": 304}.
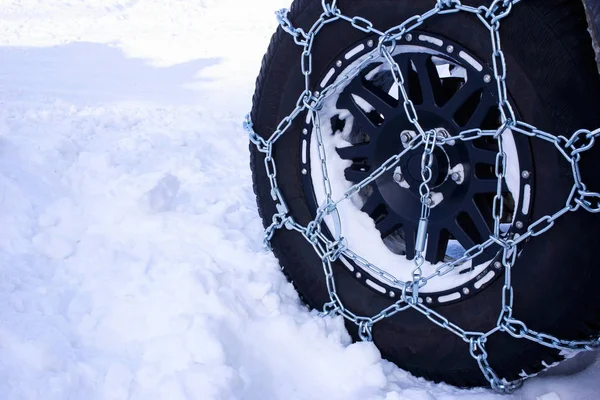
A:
{"x": 131, "y": 254}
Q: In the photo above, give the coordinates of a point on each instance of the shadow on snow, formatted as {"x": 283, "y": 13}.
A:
{"x": 85, "y": 73}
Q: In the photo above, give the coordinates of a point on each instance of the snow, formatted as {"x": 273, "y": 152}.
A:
{"x": 131, "y": 261}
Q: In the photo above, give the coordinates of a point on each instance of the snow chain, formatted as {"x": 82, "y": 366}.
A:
{"x": 331, "y": 250}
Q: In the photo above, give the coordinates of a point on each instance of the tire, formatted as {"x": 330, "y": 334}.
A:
{"x": 553, "y": 80}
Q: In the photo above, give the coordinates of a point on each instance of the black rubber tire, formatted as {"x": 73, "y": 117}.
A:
{"x": 552, "y": 77}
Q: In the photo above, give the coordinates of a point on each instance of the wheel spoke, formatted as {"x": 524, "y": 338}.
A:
{"x": 469, "y": 225}
{"x": 353, "y": 174}
{"x": 373, "y": 202}
{"x": 437, "y": 243}
{"x": 450, "y": 85}
{"x": 480, "y": 221}
{"x": 483, "y": 186}
{"x": 483, "y": 156}
{"x": 410, "y": 234}
{"x": 388, "y": 224}
{"x": 406, "y": 68}
{"x": 461, "y": 97}
{"x": 461, "y": 236}
{"x": 471, "y": 228}
{"x": 376, "y": 97}
{"x": 481, "y": 112}
{"x": 429, "y": 79}
{"x": 354, "y": 152}
{"x": 360, "y": 116}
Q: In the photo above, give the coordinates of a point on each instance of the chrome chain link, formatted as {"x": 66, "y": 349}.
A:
{"x": 333, "y": 249}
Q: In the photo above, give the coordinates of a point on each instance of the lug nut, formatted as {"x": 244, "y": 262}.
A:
{"x": 429, "y": 300}
{"x": 487, "y": 78}
{"x": 406, "y": 137}
{"x": 370, "y": 43}
{"x": 466, "y": 291}
{"x": 450, "y": 49}
{"x": 409, "y": 37}
{"x": 441, "y": 132}
{"x": 338, "y": 63}
{"x": 525, "y": 174}
{"x": 398, "y": 177}
{"x": 497, "y": 265}
{"x": 519, "y": 225}
{"x": 455, "y": 176}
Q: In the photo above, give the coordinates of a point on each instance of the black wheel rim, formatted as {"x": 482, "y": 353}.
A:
{"x": 453, "y": 104}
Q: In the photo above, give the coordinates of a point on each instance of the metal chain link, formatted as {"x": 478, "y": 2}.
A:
{"x": 333, "y": 249}
{"x": 424, "y": 191}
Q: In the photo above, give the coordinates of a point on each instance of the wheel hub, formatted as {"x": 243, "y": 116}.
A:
{"x": 439, "y": 168}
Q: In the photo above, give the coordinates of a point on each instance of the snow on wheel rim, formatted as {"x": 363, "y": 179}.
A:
{"x": 382, "y": 259}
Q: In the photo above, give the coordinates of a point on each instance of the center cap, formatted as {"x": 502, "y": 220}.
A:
{"x": 439, "y": 167}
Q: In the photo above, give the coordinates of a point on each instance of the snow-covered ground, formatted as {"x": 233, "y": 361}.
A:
{"x": 131, "y": 264}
